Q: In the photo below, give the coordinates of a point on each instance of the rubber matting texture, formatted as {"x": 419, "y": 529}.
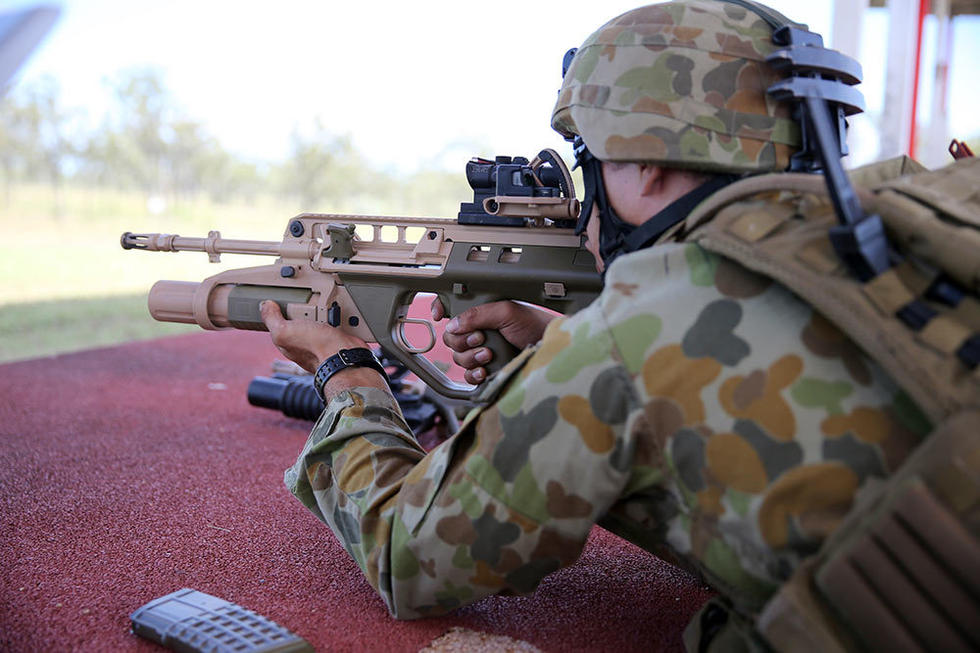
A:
{"x": 129, "y": 472}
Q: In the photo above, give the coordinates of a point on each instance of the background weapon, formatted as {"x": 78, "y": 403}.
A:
{"x": 290, "y": 390}
{"x": 515, "y": 241}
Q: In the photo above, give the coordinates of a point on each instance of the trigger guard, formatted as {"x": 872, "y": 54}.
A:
{"x": 403, "y": 341}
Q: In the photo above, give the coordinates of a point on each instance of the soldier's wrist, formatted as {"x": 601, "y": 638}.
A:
{"x": 353, "y": 377}
{"x": 348, "y": 368}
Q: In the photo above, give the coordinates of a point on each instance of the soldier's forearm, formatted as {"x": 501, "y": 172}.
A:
{"x": 354, "y": 377}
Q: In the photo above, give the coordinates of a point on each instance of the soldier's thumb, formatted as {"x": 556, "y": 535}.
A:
{"x": 271, "y": 315}
{"x": 485, "y": 316}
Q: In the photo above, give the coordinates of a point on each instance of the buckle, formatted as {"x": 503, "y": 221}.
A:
{"x": 345, "y": 358}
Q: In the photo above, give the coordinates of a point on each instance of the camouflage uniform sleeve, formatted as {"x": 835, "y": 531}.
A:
{"x": 506, "y": 501}
{"x": 701, "y": 411}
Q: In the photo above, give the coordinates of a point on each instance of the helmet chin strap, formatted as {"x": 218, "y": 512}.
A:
{"x": 616, "y": 236}
{"x": 613, "y": 230}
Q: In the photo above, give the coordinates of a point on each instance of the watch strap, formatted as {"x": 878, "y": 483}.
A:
{"x": 357, "y": 357}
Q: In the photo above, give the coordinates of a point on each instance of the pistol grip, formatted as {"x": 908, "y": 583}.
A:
{"x": 503, "y": 351}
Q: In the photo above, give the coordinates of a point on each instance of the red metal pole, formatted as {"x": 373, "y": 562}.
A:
{"x": 923, "y": 10}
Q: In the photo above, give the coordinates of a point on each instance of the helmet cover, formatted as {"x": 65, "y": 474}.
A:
{"x": 681, "y": 84}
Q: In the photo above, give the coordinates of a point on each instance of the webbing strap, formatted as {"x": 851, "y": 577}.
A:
{"x": 917, "y": 315}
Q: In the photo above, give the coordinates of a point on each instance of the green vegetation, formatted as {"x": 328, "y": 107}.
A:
{"x": 67, "y": 193}
{"x": 66, "y": 284}
{"x": 33, "y": 329}
{"x": 149, "y": 147}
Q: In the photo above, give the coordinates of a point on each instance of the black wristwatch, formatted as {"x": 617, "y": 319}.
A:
{"x": 359, "y": 357}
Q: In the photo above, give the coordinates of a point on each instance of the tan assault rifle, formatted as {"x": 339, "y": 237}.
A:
{"x": 361, "y": 273}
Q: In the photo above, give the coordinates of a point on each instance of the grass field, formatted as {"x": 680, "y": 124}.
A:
{"x": 32, "y": 329}
{"x": 66, "y": 284}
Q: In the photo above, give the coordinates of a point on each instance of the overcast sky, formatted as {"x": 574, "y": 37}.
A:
{"x": 412, "y": 82}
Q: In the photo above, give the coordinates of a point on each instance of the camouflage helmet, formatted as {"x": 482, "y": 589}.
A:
{"x": 681, "y": 84}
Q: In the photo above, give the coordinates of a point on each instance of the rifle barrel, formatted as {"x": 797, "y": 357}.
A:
{"x": 213, "y": 244}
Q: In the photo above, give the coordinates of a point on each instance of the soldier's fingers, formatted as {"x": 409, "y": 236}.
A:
{"x": 271, "y": 316}
{"x": 475, "y": 377}
{"x": 464, "y": 341}
{"x": 473, "y": 359}
{"x": 436, "y": 308}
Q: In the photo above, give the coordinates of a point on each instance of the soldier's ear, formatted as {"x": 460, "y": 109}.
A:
{"x": 651, "y": 179}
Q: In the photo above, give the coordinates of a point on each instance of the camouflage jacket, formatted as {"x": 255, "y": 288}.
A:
{"x": 695, "y": 408}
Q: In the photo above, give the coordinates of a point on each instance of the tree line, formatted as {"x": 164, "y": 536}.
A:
{"x": 146, "y": 144}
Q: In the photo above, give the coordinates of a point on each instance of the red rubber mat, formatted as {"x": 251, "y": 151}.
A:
{"x": 129, "y": 472}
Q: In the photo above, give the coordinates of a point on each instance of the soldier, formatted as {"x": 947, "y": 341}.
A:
{"x": 698, "y": 409}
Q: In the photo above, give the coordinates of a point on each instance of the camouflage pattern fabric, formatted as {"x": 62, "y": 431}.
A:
{"x": 681, "y": 84}
{"x": 695, "y": 408}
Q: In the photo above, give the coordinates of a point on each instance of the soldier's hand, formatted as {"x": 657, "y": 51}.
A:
{"x": 519, "y": 324}
{"x": 305, "y": 343}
